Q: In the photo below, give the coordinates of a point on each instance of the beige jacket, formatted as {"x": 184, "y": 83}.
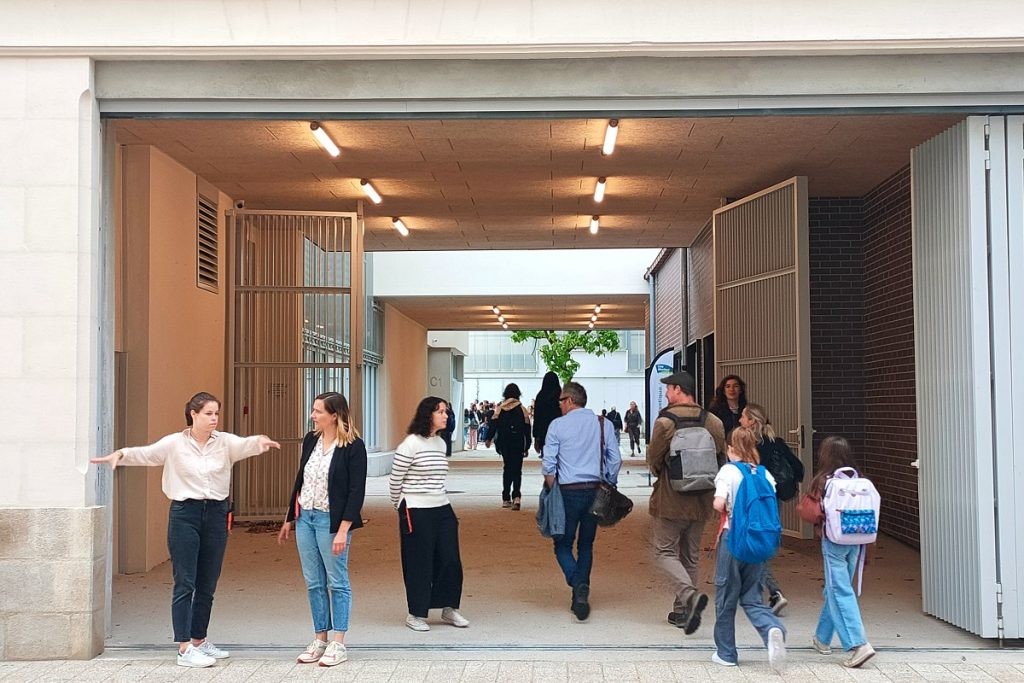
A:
{"x": 665, "y": 502}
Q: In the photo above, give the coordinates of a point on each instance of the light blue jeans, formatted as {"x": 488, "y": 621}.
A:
{"x": 323, "y": 570}
{"x": 739, "y": 583}
{"x": 840, "y": 615}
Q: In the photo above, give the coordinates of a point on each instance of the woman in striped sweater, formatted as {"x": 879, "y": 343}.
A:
{"x": 428, "y": 528}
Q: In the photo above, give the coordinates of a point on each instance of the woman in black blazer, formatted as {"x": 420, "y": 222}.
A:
{"x": 326, "y": 506}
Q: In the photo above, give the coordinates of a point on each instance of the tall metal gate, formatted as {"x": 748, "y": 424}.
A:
{"x": 295, "y": 315}
{"x": 762, "y": 312}
{"x": 968, "y": 247}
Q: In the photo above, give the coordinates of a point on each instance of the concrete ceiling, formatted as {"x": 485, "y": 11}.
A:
{"x": 528, "y": 184}
{"x": 623, "y": 312}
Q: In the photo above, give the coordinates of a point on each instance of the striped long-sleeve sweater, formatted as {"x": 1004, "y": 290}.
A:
{"x": 419, "y": 473}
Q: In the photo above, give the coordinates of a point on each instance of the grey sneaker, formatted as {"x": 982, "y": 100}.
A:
{"x": 450, "y": 615}
{"x": 776, "y": 650}
{"x": 334, "y": 654}
{"x": 859, "y": 655}
{"x": 194, "y": 659}
{"x": 416, "y": 623}
{"x": 211, "y": 650}
{"x": 313, "y": 652}
{"x": 820, "y": 647}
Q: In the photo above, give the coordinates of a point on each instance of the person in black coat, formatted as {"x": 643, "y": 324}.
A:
{"x": 545, "y": 409}
{"x": 729, "y": 401}
{"x": 326, "y": 507}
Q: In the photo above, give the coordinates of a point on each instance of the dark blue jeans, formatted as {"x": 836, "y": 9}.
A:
{"x": 197, "y": 535}
{"x": 577, "y": 519}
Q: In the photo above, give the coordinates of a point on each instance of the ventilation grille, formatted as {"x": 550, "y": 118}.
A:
{"x": 207, "y": 244}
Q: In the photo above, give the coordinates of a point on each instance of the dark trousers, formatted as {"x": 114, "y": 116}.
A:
{"x": 512, "y": 476}
{"x": 577, "y": 504}
{"x": 431, "y": 565}
{"x": 634, "y": 438}
{"x": 197, "y": 535}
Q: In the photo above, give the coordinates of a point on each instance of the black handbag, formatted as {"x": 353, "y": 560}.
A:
{"x": 610, "y": 505}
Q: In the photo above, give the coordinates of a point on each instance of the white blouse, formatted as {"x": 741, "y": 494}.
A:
{"x": 313, "y": 495}
{"x": 191, "y": 470}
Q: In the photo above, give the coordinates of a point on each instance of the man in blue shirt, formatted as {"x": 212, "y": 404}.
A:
{"x": 576, "y": 459}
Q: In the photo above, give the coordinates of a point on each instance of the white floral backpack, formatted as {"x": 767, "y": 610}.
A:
{"x": 851, "y": 504}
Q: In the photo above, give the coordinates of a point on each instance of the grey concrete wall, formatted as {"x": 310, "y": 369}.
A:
{"x": 52, "y": 569}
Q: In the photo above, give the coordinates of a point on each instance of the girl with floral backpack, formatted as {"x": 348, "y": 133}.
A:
{"x": 840, "y": 615}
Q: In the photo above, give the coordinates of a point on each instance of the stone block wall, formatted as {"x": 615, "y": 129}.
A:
{"x": 52, "y": 569}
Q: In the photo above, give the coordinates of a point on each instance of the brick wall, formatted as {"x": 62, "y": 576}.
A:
{"x": 890, "y": 419}
{"x": 837, "y": 317}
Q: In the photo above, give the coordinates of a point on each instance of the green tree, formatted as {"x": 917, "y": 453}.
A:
{"x": 557, "y": 350}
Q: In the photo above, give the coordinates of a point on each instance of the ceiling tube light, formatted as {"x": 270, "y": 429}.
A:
{"x": 400, "y": 227}
{"x": 370, "y": 191}
{"x": 599, "y": 190}
{"x": 610, "y": 133}
{"x": 594, "y": 224}
{"x": 324, "y": 139}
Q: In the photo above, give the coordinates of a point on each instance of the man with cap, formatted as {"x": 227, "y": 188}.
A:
{"x": 678, "y": 518}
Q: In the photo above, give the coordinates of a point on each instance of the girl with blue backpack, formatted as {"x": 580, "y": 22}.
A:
{"x": 749, "y": 536}
{"x": 842, "y": 548}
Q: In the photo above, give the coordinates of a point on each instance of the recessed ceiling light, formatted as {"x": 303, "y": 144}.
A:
{"x": 370, "y": 191}
{"x": 593, "y": 318}
{"x": 590, "y": 326}
{"x": 505, "y": 325}
{"x": 594, "y": 224}
{"x": 400, "y": 226}
{"x": 599, "y": 189}
{"x": 610, "y": 133}
{"x": 501, "y": 318}
{"x": 324, "y": 139}
{"x": 497, "y": 311}
{"x": 597, "y": 308}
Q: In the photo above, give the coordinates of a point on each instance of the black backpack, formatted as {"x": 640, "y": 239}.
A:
{"x": 512, "y": 434}
{"x": 785, "y": 467}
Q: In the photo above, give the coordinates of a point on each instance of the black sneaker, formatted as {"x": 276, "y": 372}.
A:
{"x": 698, "y": 601}
{"x": 677, "y": 619}
{"x": 777, "y": 602}
{"x": 580, "y": 601}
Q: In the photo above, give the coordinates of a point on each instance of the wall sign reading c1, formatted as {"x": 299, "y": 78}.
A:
{"x": 660, "y": 367}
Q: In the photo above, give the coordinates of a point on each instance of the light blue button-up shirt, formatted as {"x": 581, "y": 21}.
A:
{"x": 572, "y": 449}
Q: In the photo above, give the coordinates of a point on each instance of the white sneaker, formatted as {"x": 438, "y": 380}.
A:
{"x": 718, "y": 660}
{"x": 451, "y": 616}
{"x": 776, "y": 650}
{"x": 334, "y": 654}
{"x": 194, "y": 659}
{"x": 313, "y": 653}
{"x": 211, "y": 650}
{"x": 417, "y": 624}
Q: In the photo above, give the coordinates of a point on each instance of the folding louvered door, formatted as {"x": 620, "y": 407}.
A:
{"x": 292, "y": 311}
{"x": 762, "y": 318}
{"x": 968, "y": 233}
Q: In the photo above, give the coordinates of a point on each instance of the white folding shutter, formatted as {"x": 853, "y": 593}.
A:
{"x": 762, "y": 312}
{"x": 957, "y": 289}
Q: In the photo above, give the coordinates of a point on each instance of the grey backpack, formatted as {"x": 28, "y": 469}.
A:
{"x": 692, "y": 456}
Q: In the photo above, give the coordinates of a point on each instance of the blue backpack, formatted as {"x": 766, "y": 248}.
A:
{"x": 755, "y": 531}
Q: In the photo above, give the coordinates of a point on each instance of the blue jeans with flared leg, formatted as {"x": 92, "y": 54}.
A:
{"x": 840, "y": 615}
{"x": 738, "y": 583}
{"x": 326, "y": 574}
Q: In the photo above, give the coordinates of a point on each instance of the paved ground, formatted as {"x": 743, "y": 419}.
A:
{"x": 521, "y": 627}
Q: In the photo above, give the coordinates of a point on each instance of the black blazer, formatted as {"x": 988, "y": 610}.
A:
{"x": 346, "y": 482}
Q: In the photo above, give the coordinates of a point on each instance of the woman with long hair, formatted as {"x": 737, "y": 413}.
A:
{"x": 736, "y": 582}
{"x": 840, "y": 615}
{"x": 512, "y": 437}
{"x": 633, "y": 420}
{"x": 785, "y": 468}
{"x": 545, "y": 409}
{"x": 326, "y": 506}
{"x": 729, "y": 401}
{"x": 197, "y": 466}
{"x": 428, "y": 528}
